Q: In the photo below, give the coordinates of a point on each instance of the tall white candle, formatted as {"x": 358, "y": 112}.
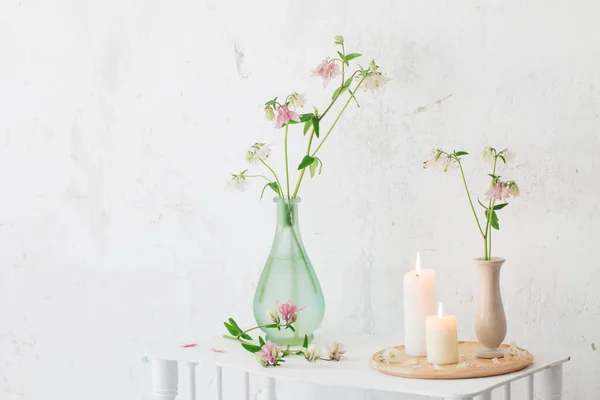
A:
{"x": 419, "y": 303}
{"x": 442, "y": 338}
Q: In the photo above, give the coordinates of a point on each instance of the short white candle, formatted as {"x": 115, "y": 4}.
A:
{"x": 442, "y": 338}
{"x": 419, "y": 303}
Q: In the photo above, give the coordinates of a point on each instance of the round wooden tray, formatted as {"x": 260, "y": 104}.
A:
{"x": 469, "y": 366}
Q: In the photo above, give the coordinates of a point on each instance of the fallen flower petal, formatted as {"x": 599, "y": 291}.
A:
{"x": 214, "y": 350}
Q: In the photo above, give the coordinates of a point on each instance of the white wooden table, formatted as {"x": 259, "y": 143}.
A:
{"x": 543, "y": 378}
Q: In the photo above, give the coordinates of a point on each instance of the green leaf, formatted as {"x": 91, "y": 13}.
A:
{"x": 313, "y": 168}
{"x": 493, "y": 218}
{"x": 338, "y": 92}
{"x": 502, "y": 157}
{"x": 306, "y": 117}
{"x": 261, "y": 341}
{"x": 315, "y": 122}
{"x": 232, "y": 330}
{"x": 234, "y": 324}
{"x": 274, "y": 186}
{"x": 251, "y": 347}
{"x": 460, "y": 153}
{"x": 245, "y": 336}
{"x": 307, "y": 126}
{"x": 348, "y": 82}
{"x": 272, "y": 326}
{"x": 320, "y": 165}
{"x": 352, "y": 56}
{"x": 500, "y": 206}
{"x": 292, "y": 328}
{"x": 306, "y": 161}
{"x": 494, "y": 176}
{"x": 305, "y": 343}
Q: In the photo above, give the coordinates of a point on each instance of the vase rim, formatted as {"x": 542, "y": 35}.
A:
{"x": 482, "y": 260}
{"x": 279, "y": 200}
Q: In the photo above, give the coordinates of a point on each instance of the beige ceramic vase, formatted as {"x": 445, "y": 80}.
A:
{"x": 490, "y": 324}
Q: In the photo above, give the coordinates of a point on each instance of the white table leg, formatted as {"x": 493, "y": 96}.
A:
{"x": 192, "y": 378}
{"x": 551, "y": 383}
{"x": 485, "y": 396}
{"x": 506, "y": 391}
{"x": 164, "y": 379}
{"x": 219, "y": 383}
{"x": 269, "y": 390}
{"x": 529, "y": 385}
{"x": 246, "y": 386}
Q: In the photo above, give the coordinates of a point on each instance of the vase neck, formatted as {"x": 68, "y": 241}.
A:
{"x": 287, "y": 213}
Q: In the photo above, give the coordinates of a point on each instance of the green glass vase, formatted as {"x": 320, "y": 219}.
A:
{"x": 289, "y": 275}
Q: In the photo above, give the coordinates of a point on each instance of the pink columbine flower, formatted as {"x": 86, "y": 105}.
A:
{"x": 268, "y": 354}
{"x": 285, "y": 115}
{"x": 289, "y": 311}
{"x": 327, "y": 70}
{"x": 336, "y": 351}
{"x": 499, "y": 191}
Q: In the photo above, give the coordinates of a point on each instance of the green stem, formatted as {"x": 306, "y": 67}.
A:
{"x": 336, "y": 97}
{"x": 488, "y": 227}
{"x": 287, "y": 166}
{"x": 257, "y": 176}
{"x": 337, "y": 119}
{"x": 275, "y": 175}
{"x": 235, "y": 338}
{"x": 462, "y": 173}
{"x": 310, "y": 139}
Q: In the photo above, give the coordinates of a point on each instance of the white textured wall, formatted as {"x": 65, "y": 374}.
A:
{"x": 121, "y": 119}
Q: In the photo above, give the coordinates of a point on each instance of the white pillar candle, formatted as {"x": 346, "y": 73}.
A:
{"x": 442, "y": 338}
{"x": 419, "y": 303}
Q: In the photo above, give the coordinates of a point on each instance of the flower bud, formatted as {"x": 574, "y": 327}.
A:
{"x": 269, "y": 113}
{"x": 339, "y": 39}
{"x": 274, "y": 315}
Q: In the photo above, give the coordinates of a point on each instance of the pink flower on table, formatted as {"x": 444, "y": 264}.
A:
{"x": 285, "y": 115}
{"x": 327, "y": 70}
{"x": 499, "y": 191}
{"x": 336, "y": 351}
{"x": 289, "y": 311}
{"x": 187, "y": 346}
{"x": 268, "y": 354}
{"x": 215, "y": 350}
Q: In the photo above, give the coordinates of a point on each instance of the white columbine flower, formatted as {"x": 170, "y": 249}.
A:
{"x": 509, "y": 156}
{"x": 388, "y": 354}
{"x": 312, "y": 353}
{"x": 297, "y": 100}
{"x": 257, "y": 152}
{"x": 440, "y": 161}
{"x": 238, "y": 182}
{"x": 376, "y": 81}
{"x": 488, "y": 154}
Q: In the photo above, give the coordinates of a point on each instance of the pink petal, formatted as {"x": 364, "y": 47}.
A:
{"x": 185, "y": 346}
{"x": 217, "y": 350}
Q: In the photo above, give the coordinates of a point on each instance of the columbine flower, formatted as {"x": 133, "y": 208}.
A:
{"x": 269, "y": 113}
{"x": 269, "y": 354}
{"x": 327, "y": 70}
{"x": 257, "y": 152}
{"x": 388, "y": 354}
{"x": 375, "y": 81}
{"x": 487, "y": 154}
{"x": 498, "y": 191}
{"x": 285, "y": 115}
{"x": 508, "y": 155}
{"x": 297, "y": 100}
{"x": 239, "y": 182}
{"x": 336, "y": 351}
{"x": 274, "y": 315}
{"x": 339, "y": 39}
{"x": 440, "y": 161}
{"x": 288, "y": 311}
{"x": 312, "y": 353}
{"x": 513, "y": 189}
